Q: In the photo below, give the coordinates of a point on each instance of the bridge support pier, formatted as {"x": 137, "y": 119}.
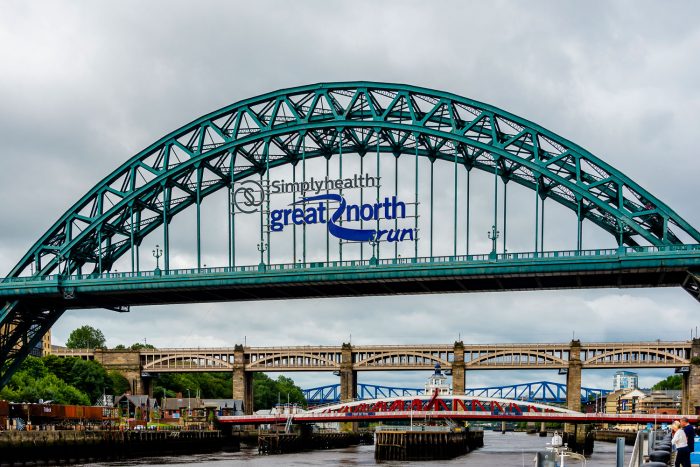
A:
{"x": 573, "y": 377}
{"x": 458, "y": 369}
{"x": 348, "y": 382}
{"x": 578, "y": 436}
{"x": 348, "y": 376}
{"x": 690, "y": 389}
{"x": 128, "y": 363}
{"x": 242, "y": 381}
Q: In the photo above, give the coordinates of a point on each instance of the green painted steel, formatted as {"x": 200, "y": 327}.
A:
{"x": 248, "y": 138}
{"x": 530, "y": 267}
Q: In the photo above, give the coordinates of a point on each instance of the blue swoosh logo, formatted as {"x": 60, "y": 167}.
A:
{"x": 353, "y": 235}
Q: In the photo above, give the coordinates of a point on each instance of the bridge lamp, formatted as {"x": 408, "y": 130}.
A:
{"x": 373, "y": 260}
{"x": 157, "y": 253}
{"x": 493, "y": 236}
{"x": 262, "y": 247}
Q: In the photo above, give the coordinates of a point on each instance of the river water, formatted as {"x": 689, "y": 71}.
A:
{"x": 502, "y": 450}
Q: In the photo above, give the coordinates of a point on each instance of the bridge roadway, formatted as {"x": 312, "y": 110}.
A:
{"x": 453, "y": 407}
{"x": 346, "y": 360}
{"x": 651, "y": 266}
{"x": 452, "y": 415}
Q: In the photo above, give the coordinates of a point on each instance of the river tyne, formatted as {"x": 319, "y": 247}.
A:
{"x": 510, "y": 449}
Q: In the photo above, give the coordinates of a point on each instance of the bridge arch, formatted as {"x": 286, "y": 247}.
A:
{"x": 375, "y": 359}
{"x": 348, "y": 406}
{"x": 274, "y": 361}
{"x": 620, "y": 357}
{"x": 250, "y": 137}
{"x": 180, "y": 362}
{"x": 485, "y": 359}
{"x": 254, "y": 135}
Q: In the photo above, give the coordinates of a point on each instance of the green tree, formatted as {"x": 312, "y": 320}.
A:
{"x": 34, "y": 381}
{"x": 267, "y": 391}
{"x": 118, "y": 383}
{"x": 86, "y": 337}
{"x": 672, "y": 382}
{"x": 210, "y": 385}
{"x": 140, "y": 346}
{"x": 89, "y": 377}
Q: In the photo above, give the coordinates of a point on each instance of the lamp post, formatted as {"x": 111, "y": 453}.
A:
{"x": 373, "y": 261}
{"x": 493, "y": 236}
{"x": 262, "y": 247}
{"x": 157, "y": 253}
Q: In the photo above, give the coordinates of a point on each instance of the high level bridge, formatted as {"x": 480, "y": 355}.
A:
{"x": 347, "y": 360}
{"x": 337, "y": 184}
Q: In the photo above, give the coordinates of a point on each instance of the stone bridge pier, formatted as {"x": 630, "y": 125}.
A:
{"x": 690, "y": 389}
{"x": 128, "y": 363}
{"x": 348, "y": 376}
{"x": 242, "y": 380}
{"x": 458, "y": 369}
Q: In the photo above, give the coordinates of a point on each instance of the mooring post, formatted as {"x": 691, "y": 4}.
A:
{"x": 620, "y": 452}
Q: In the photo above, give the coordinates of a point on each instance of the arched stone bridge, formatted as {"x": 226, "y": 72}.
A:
{"x": 346, "y": 360}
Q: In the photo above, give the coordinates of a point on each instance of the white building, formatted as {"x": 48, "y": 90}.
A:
{"x": 438, "y": 381}
{"x": 625, "y": 380}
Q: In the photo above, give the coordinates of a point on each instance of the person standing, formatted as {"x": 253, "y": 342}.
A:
{"x": 680, "y": 442}
{"x": 689, "y": 431}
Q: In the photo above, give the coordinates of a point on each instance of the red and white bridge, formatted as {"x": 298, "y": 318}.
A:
{"x": 453, "y": 407}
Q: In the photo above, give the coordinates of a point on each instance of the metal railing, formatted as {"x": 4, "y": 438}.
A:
{"x": 261, "y": 268}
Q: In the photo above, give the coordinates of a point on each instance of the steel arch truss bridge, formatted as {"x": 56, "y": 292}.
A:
{"x": 380, "y": 237}
{"x": 539, "y": 391}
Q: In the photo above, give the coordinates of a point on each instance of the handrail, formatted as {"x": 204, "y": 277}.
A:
{"x": 261, "y": 268}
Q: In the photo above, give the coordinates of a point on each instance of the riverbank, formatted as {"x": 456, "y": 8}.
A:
{"x": 53, "y": 447}
{"x": 510, "y": 449}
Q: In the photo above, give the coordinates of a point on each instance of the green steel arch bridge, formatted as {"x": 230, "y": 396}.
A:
{"x": 323, "y": 234}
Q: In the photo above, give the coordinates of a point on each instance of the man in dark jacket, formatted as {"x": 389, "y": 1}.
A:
{"x": 689, "y": 433}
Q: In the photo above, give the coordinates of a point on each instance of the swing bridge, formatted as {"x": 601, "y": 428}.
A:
{"x": 93, "y": 255}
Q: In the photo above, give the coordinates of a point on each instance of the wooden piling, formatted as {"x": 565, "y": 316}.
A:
{"x": 409, "y": 445}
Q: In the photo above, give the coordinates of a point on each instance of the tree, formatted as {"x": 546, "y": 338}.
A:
{"x": 672, "y": 382}
{"x": 35, "y": 381}
{"x": 119, "y": 383}
{"x": 140, "y": 346}
{"x": 267, "y": 391}
{"x": 86, "y": 337}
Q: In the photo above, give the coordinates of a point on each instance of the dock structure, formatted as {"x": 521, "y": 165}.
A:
{"x": 424, "y": 444}
{"x": 66, "y": 447}
{"x": 282, "y": 443}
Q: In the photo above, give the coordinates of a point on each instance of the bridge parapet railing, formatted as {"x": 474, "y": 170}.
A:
{"x": 523, "y": 256}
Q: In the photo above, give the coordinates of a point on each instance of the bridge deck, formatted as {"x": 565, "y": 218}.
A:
{"x": 656, "y": 354}
{"x": 452, "y": 415}
{"x": 630, "y": 267}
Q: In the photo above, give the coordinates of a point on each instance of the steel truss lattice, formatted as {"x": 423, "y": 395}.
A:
{"x": 252, "y": 136}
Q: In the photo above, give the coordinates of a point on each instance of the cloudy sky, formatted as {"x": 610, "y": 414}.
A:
{"x": 86, "y": 85}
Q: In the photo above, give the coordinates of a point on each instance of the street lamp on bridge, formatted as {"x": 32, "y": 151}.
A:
{"x": 493, "y": 236}
{"x": 157, "y": 253}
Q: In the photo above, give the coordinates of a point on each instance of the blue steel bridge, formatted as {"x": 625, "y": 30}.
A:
{"x": 350, "y": 247}
{"x": 538, "y": 391}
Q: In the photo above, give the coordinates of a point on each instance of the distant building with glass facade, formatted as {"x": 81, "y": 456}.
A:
{"x": 625, "y": 380}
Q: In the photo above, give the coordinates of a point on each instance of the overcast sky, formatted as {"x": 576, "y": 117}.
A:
{"x": 86, "y": 85}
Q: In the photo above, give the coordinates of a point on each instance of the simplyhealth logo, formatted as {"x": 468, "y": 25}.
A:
{"x": 387, "y": 209}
